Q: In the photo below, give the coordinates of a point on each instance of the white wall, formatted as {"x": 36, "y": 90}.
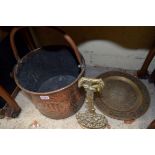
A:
{"x": 109, "y": 54}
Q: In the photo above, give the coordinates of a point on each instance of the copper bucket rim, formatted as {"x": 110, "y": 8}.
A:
{"x": 49, "y": 92}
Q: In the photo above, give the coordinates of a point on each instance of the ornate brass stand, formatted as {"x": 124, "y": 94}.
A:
{"x": 90, "y": 119}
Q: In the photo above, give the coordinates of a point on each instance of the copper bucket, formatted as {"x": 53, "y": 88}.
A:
{"x": 49, "y": 75}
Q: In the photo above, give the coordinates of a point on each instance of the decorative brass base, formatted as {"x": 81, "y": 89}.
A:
{"x": 92, "y": 121}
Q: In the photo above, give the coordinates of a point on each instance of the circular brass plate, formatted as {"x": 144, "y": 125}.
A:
{"x": 123, "y": 97}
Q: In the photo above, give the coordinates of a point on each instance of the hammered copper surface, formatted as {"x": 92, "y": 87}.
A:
{"x": 123, "y": 97}
{"x": 59, "y": 103}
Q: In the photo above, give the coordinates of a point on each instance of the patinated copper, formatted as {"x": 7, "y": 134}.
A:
{"x": 61, "y": 104}
{"x": 56, "y": 104}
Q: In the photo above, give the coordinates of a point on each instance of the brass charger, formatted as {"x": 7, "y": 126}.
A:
{"x": 123, "y": 97}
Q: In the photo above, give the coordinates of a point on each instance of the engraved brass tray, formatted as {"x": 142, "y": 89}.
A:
{"x": 123, "y": 97}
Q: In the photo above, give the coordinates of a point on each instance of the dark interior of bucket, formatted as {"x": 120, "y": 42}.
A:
{"x": 48, "y": 68}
